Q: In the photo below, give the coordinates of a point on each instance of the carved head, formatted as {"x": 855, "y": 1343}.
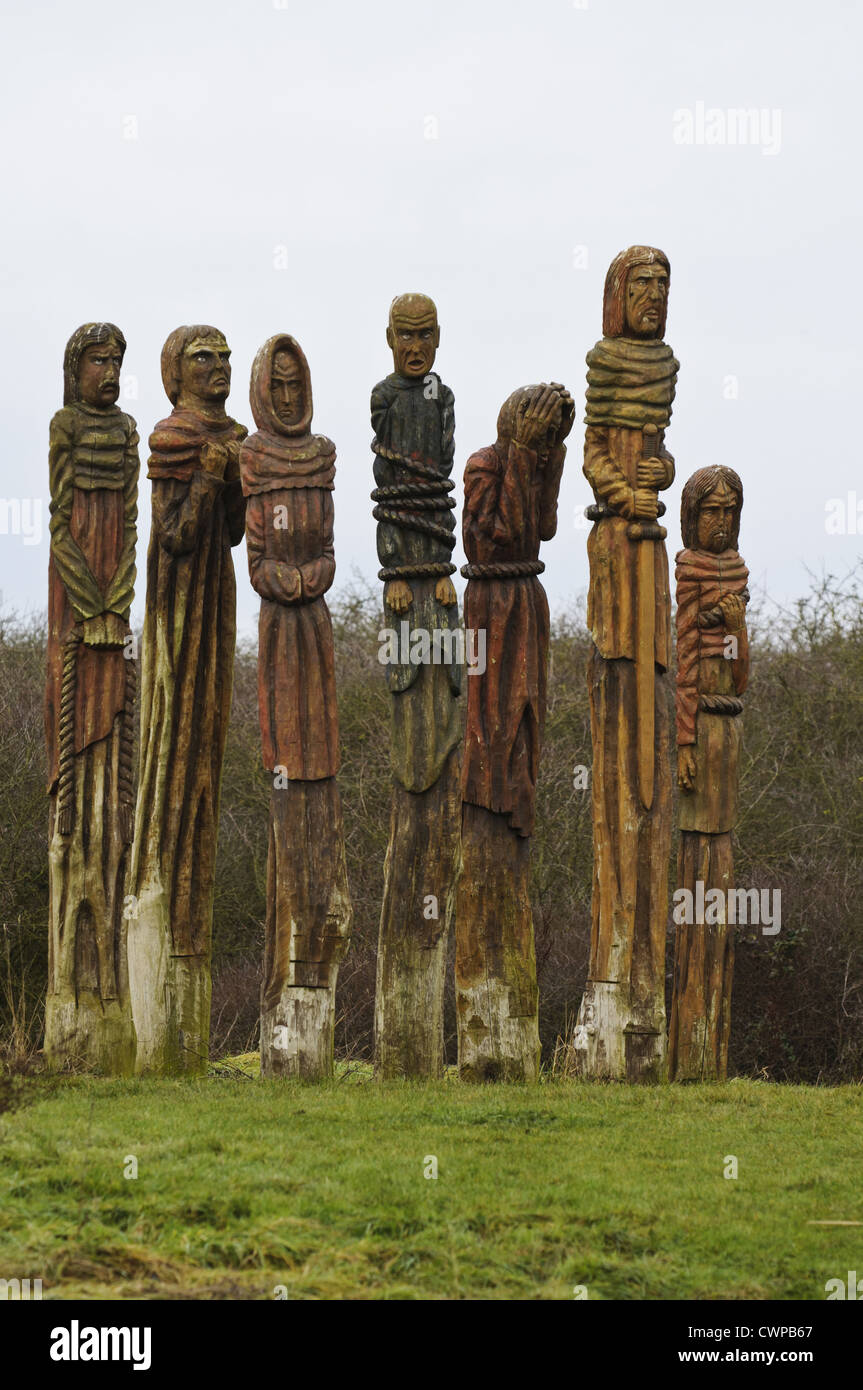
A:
{"x": 559, "y": 419}
{"x": 635, "y": 303}
{"x": 196, "y": 366}
{"x": 710, "y": 510}
{"x": 280, "y": 390}
{"x": 413, "y": 334}
{"x": 91, "y": 365}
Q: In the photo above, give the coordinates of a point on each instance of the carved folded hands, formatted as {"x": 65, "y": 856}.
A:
{"x": 222, "y": 460}
{"x": 105, "y": 630}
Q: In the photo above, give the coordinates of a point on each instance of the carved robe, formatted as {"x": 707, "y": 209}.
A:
{"x": 414, "y": 426}
{"x": 631, "y": 384}
{"x": 288, "y": 477}
{"x": 89, "y": 704}
{"x": 510, "y": 506}
{"x": 708, "y": 687}
{"x": 188, "y": 653}
{"x": 710, "y": 680}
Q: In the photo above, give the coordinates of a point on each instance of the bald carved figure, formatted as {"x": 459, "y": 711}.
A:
{"x": 413, "y": 419}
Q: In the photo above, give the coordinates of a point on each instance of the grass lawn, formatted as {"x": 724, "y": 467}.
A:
{"x": 244, "y": 1185}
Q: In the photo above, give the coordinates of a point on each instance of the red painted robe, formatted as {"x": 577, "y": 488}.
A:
{"x": 510, "y": 506}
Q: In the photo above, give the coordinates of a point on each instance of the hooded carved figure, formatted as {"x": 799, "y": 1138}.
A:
{"x": 288, "y": 477}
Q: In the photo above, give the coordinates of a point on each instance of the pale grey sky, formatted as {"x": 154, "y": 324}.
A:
{"x": 161, "y": 160}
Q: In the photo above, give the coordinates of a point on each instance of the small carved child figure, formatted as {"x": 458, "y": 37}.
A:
{"x": 288, "y": 474}
{"x": 712, "y": 673}
{"x": 89, "y": 706}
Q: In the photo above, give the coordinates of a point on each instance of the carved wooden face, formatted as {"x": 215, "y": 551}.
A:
{"x": 286, "y": 388}
{"x": 414, "y": 340}
{"x": 99, "y": 373}
{"x": 646, "y": 300}
{"x": 716, "y": 519}
{"x": 205, "y": 370}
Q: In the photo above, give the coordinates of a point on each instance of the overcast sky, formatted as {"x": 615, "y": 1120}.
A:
{"x": 290, "y": 167}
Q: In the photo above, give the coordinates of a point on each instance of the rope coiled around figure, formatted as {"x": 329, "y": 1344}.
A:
{"x": 504, "y": 569}
{"x": 401, "y": 504}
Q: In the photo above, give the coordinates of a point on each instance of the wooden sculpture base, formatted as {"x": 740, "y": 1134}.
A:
{"x": 620, "y": 1031}
{"x": 170, "y": 996}
{"x": 703, "y": 967}
{"x": 307, "y": 932}
{"x": 497, "y": 1000}
{"x": 88, "y": 1013}
{"x": 419, "y": 891}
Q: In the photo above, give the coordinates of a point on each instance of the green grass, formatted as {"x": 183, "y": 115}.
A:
{"x": 244, "y": 1185}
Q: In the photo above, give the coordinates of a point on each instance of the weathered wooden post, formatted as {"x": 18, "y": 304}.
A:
{"x": 287, "y": 474}
{"x": 631, "y": 379}
{"x": 90, "y": 697}
{"x": 414, "y": 424}
{"x": 712, "y": 674}
{"x": 187, "y": 672}
{"x": 510, "y": 506}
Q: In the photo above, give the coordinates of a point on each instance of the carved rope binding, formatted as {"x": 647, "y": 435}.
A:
{"x": 504, "y": 569}
{"x": 66, "y": 777}
{"x": 127, "y": 746}
{"x": 720, "y": 704}
{"x": 406, "y": 500}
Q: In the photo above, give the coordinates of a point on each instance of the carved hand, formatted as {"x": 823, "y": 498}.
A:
{"x": 444, "y": 591}
{"x": 734, "y": 609}
{"x": 116, "y": 630}
{"x": 232, "y": 472}
{"x": 645, "y": 504}
{"x": 214, "y": 457}
{"x": 536, "y": 416}
{"x": 686, "y": 767}
{"x": 397, "y": 595}
{"x": 651, "y": 472}
{"x": 95, "y": 632}
{"x": 567, "y": 411}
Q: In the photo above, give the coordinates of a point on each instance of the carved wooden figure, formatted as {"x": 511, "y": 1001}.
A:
{"x": 287, "y": 475}
{"x": 90, "y": 699}
{"x": 510, "y": 506}
{"x": 413, "y": 421}
{"x": 632, "y": 375}
{"x": 187, "y": 671}
{"x": 712, "y": 674}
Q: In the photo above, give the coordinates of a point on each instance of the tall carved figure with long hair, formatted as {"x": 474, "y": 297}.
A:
{"x": 712, "y": 674}
{"x": 93, "y": 457}
{"x": 631, "y": 379}
{"x": 288, "y": 477}
{"x": 187, "y": 673}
